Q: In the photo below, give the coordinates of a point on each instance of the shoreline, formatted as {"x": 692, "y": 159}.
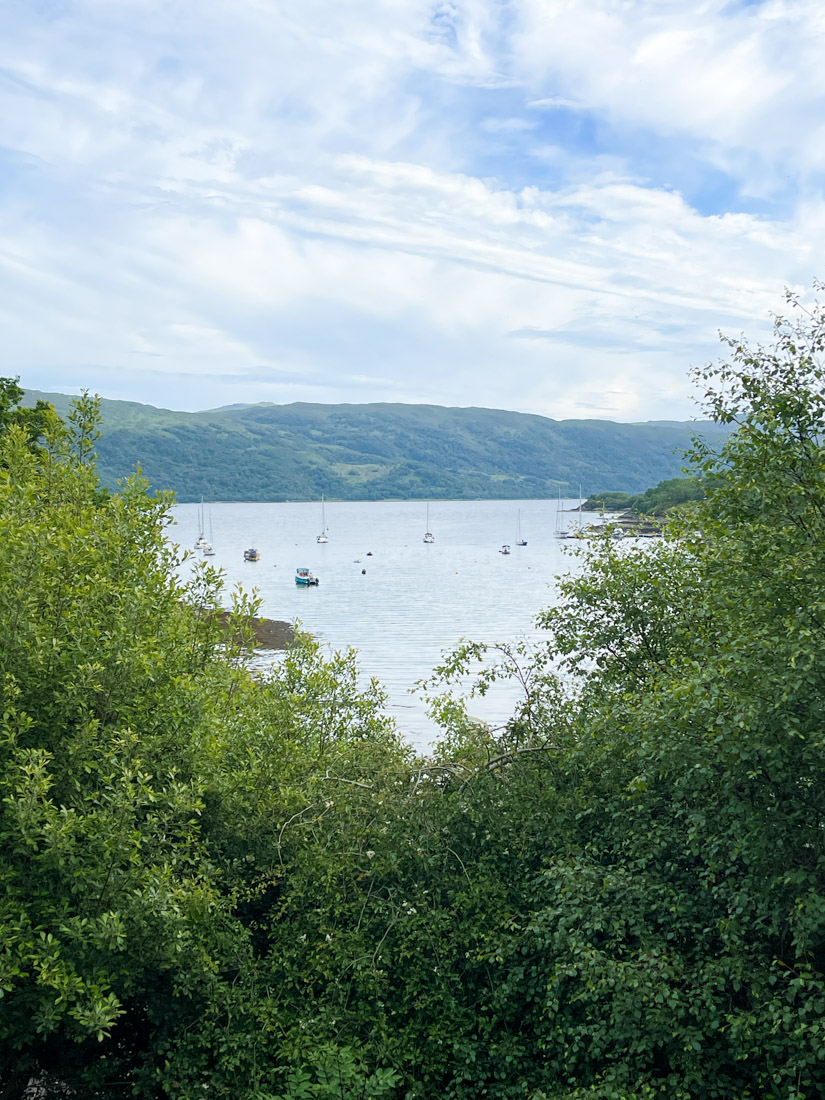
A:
{"x": 269, "y": 633}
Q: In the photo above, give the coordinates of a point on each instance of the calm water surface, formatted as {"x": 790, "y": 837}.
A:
{"x": 415, "y": 601}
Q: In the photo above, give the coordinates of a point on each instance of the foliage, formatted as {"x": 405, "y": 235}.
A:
{"x": 668, "y": 495}
{"x": 674, "y": 492}
{"x": 611, "y": 501}
{"x": 33, "y": 421}
{"x": 132, "y": 793}
{"x": 670, "y": 938}
{"x": 250, "y": 888}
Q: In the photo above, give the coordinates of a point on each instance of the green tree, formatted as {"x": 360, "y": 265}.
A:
{"x": 101, "y": 864}
{"x": 34, "y": 422}
{"x": 672, "y": 940}
{"x": 138, "y": 761}
{"x": 619, "y": 894}
{"x": 668, "y": 495}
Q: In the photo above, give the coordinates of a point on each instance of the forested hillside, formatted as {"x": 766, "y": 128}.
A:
{"x": 379, "y": 451}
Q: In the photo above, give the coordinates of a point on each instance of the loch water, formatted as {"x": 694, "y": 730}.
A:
{"x": 401, "y": 603}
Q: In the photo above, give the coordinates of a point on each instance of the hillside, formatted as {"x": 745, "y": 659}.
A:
{"x": 378, "y": 451}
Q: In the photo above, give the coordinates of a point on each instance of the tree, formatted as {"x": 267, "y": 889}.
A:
{"x": 673, "y": 940}
{"x": 621, "y": 893}
{"x": 138, "y": 758}
{"x": 33, "y": 421}
{"x": 101, "y": 862}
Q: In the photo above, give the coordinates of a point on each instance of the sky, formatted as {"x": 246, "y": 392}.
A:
{"x": 549, "y": 206}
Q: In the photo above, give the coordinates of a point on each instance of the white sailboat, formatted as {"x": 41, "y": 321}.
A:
{"x": 200, "y": 541}
{"x": 428, "y": 535}
{"x": 323, "y": 535}
{"x": 561, "y": 531}
{"x": 519, "y": 540}
{"x": 208, "y": 550}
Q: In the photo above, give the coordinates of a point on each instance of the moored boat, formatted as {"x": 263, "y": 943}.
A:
{"x": 209, "y": 548}
{"x": 561, "y": 531}
{"x": 305, "y": 578}
{"x": 519, "y": 540}
{"x": 322, "y": 537}
{"x": 429, "y": 537}
{"x": 200, "y": 541}
{"x": 251, "y": 555}
{"x": 505, "y": 549}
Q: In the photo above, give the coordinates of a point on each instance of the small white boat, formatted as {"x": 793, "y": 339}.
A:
{"x": 561, "y": 531}
{"x": 519, "y": 540}
{"x": 304, "y": 578}
{"x": 200, "y": 541}
{"x": 428, "y": 535}
{"x": 322, "y": 537}
{"x": 208, "y": 550}
{"x": 505, "y": 549}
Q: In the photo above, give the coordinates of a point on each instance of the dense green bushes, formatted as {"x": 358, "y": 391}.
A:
{"x": 217, "y": 886}
{"x": 142, "y": 773}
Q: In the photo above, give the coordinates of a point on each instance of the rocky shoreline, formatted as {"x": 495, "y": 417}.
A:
{"x": 268, "y": 633}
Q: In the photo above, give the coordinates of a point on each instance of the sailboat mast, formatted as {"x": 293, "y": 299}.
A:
{"x": 322, "y": 537}
{"x": 428, "y": 535}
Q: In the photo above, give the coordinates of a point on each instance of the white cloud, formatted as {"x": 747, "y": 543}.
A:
{"x": 554, "y": 103}
{"x": 346, "y": 201}
{"x": 507, "y": 125}
{"x": 745, "y": 78}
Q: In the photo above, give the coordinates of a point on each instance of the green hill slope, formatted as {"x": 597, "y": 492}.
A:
{"x": 378, "y": 451}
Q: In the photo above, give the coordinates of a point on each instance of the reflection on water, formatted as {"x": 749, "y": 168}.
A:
{"x": 400, "y": 602}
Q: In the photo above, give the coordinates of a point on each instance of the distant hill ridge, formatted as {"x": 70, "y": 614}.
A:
{"x": 381, "y": 451}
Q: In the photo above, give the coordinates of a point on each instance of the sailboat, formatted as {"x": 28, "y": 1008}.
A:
{"x": 200, "y": 541}
{"x": 561, "y": 531}
{"x": 428, "y": 535}
{"x": 323, "y": 535}
{"x": 519, "y": 540}
{"x": 208, "y": 550}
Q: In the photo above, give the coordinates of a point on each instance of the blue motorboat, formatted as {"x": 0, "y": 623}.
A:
{"x": 305, "y": 578}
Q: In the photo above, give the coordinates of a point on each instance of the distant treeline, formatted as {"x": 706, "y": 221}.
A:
{"x": 656, "y": 501}
{"x": 380, "y": 451}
